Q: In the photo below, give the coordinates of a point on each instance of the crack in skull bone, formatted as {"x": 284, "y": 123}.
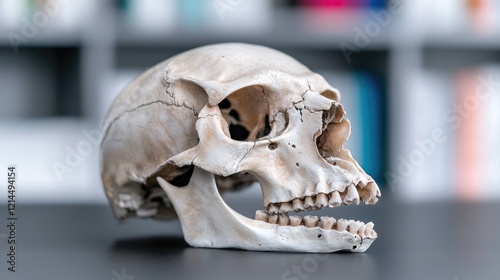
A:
{"x": 281, "y": 113}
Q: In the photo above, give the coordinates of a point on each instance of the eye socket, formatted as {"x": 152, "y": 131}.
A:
{"x": 265, "y": 130}
{"x": 225, "y": 104}
{"x": 247, "y": 114}
{"x": 238, "y": 132}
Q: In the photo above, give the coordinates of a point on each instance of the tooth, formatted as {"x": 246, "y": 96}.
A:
{"x": 373, "y": 234}
{"x": 273, "y": 208}
{"x": 342, "y": 225}
{"x": 362, "y": 184}
{"x": 321, "y": 200}
{"x": 335, "y": 199}
{"x": 369, "y": 193}
{"x": 310, "y": 221}
{"x": 308, "y": 202}
{"x": 295, "y": 221}
{"x": 273, "y": 219}
{"x": 369, "y": 228}
{"x": 361, "y": 230}
{"x": 372, "y": 201}
{"x": 283, "y": 220}
{"x": 351, "y": 195}
{"x": 285, "y": 207}
{"x": 261, "y": 215}
{"x": 372, "y": 186}
{"x": 354, "y": 227}
{"x": 327, "y": 222}
{"x": 322, "y": 187}
{"x": 297, "y": 205}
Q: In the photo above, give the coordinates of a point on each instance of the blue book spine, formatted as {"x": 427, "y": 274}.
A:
{"x": 371, "y": 122}
{"x": 377, "y": 4}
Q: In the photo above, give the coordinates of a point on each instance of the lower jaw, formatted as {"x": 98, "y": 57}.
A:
{"x": 208, "y": 222}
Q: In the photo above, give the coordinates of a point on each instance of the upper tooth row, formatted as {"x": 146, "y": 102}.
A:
{"x": 328, "y": 223}
{"x": 333, "y": 199}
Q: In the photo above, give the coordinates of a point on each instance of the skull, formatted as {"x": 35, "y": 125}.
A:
{"x": 219, "y": 117}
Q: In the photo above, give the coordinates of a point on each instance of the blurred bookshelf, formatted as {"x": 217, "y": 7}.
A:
{"x": 72, "y": 66}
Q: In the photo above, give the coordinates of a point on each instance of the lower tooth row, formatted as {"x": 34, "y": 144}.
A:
{"x": 327, "y": 223}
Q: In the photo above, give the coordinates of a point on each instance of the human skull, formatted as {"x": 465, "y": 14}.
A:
{"x": 216, "y": 119}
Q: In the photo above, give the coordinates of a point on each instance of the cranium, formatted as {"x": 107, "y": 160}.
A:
{"x": 219, "y": 117}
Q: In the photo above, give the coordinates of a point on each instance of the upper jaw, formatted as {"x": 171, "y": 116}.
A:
{"x": 344, "y": 184}
{"x": 325, "y": 195}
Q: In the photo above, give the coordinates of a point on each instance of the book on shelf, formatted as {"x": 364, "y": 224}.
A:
{"x": 254, "y": 16}
{"x": 341, "y": 4}
{"x": 456, "y": 16}
{"x": 219, "y": 15}
{"x": 150, "y": 16}
{"x": 478, "y": 132}
{"x": 31, "y": 16}
{"x": 421, "y": 154}
{"x": 446, "y": 142}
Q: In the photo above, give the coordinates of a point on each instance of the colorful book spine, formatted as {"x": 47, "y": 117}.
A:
{"x": 340, "y": 4}
{"x": 469, "y": 158}
{"x": 371, "y": 114}
{"x": 478, "y": 135}
{"x": 446, "y": 143}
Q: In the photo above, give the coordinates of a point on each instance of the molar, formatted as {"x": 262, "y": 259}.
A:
{"x": 295, "y": 220}
{"x": 273, "y": 208}
{"x": 321, "y": 200}
{"x": 308, "y": 202}
{"x": 310, "y": 221}
{"x": 283, "y": 219}
{"x": 297, "y": 205}
{"x": 285, "y": 207}
{"x": 261, "y": 215}
{"x": 273, "y": 219}
{"x": 342, "y": 225}
{"x": 335, "y": 199}
{"x": 327, "y": 222}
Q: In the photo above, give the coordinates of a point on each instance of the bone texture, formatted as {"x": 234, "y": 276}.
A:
{"x": 218, "y": 118}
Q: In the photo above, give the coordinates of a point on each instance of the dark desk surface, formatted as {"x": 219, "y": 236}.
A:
{"x": 419, "y": 241}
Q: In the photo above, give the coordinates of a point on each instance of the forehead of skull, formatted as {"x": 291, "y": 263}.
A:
{"x": 227, "y": 62}
{"x": 223, "y": 69}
